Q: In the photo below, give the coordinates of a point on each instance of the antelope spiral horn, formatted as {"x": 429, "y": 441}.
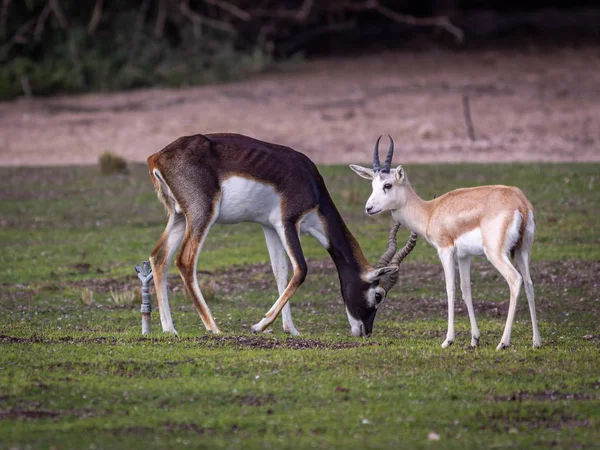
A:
{"x": 390, "y": 281}
{"x": 376, "y": 163}
{"x": 388, "y": 158}
{"x": 389, "y": 253}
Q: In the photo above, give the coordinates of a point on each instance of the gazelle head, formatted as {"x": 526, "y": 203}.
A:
{"x": 374, "y": 286}
{"x": 388, "y": 185}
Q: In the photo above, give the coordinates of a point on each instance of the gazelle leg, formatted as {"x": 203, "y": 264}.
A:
{"x": 288, "y": 234}
{"x": 160, "y": 259}
{"x": 522, "y": 261}
{"x": 464, "y": 269}
{"x": 512, "y": 277}
{"x": 187, "y": 261}
{"x": 447, "y": 258}
{"x": 280, "y": 270}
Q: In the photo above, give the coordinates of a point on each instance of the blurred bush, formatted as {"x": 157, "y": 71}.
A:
{"x": 127, "y": 48}
{"x": 110, "y": 163}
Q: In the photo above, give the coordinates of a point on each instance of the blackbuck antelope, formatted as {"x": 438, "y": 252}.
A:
{"x": 228, "y": 178}
{"x": 494, "y": 221}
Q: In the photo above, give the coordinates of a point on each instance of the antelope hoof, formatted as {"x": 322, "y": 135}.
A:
{"x": 502, "y": 346}
{"x": 172, "y": 331}
{"x": 474, "y": 341}
{"x": 257, "y": 328}
{"x": 537, "y": 343}
{"x": 291, "y": 331}
{"x": 447, "y": 343}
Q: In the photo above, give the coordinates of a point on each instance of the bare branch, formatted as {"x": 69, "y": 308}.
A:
{"x": 440, "y": 22}
{"x": 139, "y": 26}
{"x": 231, "y": 9}
{"x": 299, "y": 15}
{"x": 25, "y": 86}
{"x": 18, "y": 38}
{"x": 3, "y": 18}
{"x": 96, "y": 17}
{"x": 60, "y": 16}
{"x": 160, "y": 18}
{"x": 199, "y": 19}
{"x": 41, "y": 23}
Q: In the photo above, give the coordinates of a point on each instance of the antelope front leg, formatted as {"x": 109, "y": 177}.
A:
{"x": 291, "y": 242}
{"x": 447, "y": 258}
{"x": 464, "y": 269}
{"x": 279, "y": 265}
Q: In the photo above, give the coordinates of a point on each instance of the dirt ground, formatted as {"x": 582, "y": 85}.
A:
{"x": 526, "y": 104}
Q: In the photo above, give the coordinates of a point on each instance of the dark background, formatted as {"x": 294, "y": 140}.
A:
{"x": 49, "y": 46}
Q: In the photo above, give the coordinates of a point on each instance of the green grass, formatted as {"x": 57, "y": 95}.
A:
{"x": 75, "y": 374}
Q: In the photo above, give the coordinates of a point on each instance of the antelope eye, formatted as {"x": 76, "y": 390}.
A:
{"x": 387, "y": 187}
{"x": 378, "y": 297}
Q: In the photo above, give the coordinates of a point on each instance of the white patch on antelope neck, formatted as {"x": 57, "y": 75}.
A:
{"x": 356, "y": 325}
{"x": 470, "y": 243}
{"x": 245, "y": 200}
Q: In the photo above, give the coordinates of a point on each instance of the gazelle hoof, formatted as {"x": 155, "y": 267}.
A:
{"x": 502, "y": 346}
{"x": 172, "y": 331}
{"x": 447, "y": 343}
{"x": 291, "y": 331}
{"x": 474, "y": 341}
{"x": 256, "y": 328}
{"x": 537, "y": 344}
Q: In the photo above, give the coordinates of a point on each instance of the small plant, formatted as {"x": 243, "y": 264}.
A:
{"x": 87, "y": 297}
{"x": 112, "y": 163}
{"x": 124, "y": 298}
{"x": 209, "y": 289}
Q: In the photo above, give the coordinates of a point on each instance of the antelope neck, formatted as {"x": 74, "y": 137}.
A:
{"x": 414, "y": 214}
{"x": 343, "y": 247}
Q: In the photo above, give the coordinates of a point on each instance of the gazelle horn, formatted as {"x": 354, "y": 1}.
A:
{"x": 387, "y": 256}
{"x": 390, "y": 281}
{"x": 388, "y": 158}
{"x": 376, "y": 163}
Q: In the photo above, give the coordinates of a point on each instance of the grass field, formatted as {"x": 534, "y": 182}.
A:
{"x": 75, "y": 372}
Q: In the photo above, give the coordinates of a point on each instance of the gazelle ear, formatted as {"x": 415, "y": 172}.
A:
{"x": 376, "y": 274}
{"x": 363, "y": 171}
{"x": 400, "y": 175}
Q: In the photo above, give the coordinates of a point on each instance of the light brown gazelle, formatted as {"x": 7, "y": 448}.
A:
{"x": 229, "y": 178}
{"x": 495, "y": 221}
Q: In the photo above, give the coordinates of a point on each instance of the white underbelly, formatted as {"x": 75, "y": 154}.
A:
{"x": 470, "y": 243}
{"x": 245, "y": 200}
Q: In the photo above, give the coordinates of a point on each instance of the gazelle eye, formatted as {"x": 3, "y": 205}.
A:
{"x": 378, "y": 297}
{"x": 387, "y": 187}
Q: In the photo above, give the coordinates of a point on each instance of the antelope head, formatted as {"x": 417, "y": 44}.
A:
{"x": 375, "y": 285}
{"x": 388, "y": 185}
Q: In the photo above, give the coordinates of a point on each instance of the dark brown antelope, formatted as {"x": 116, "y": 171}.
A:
{"x": 495, "y": 221}
{"x": 229, "y": 178}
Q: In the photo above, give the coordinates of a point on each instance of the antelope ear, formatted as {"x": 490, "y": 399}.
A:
{"x": 400, "y": 175}
{"x": 376, "y": 274}
{"x": 364, "y": 172}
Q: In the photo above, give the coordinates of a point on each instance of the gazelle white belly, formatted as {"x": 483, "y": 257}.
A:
{"x": 245, "y": 200}
{"x": 469, "y": 243}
